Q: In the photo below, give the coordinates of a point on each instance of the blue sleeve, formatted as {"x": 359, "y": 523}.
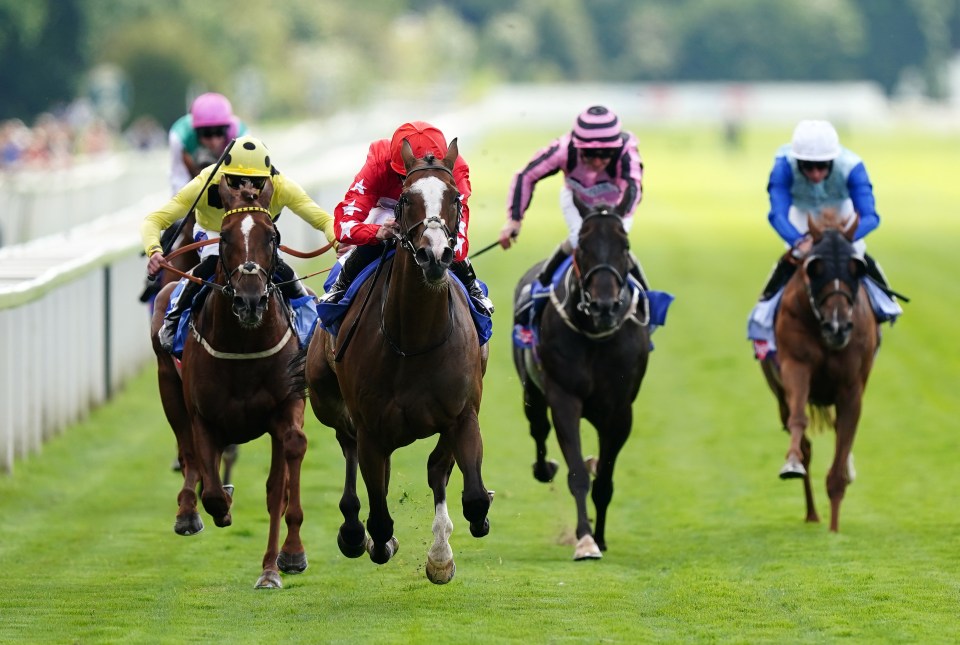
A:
{"x": 781, "y": 179}
{"x": 861, "y": 193}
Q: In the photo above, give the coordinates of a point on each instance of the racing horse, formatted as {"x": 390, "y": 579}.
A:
{"x": 412, "y": 367}
{"x": 826, "y": 337}
{"x": 238, "y": 381}
{"x": 588, "y": 362}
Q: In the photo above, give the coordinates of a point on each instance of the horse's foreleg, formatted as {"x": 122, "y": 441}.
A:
{"x": 188, "y": 520}
{"x": 215, "y": 500}
{"x": 276, "y": 493}
{"x": 375, "y": 468}
{"x": 613, "y": 435}
{"x": 848, "y": 416}
{"x": 807, "y": 449}
{"x": 440, "y": 566}
{"x": 352, "y": 536}
{"x": 292, "y": 558}
{"x": 535, "y": 407}
{"x": 468, "y": 450}
{"x": 567, "y": 411}
{"x": 796, "y": 386}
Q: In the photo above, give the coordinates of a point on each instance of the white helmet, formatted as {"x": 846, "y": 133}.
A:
{"x": 815, "y": 141}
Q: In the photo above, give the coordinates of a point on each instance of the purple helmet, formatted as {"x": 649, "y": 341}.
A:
{"x": 211, "y": 109}
{"x": 596, "y": 127}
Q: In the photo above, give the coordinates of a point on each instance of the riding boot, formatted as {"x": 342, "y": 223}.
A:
{"x": 876, "y": 273}
{"x": 356, "y": 261}
{"x": 552, "y": 264}
{"x": 290, "y": 285}
{"x": 464, "y": 271}
{"x": 171, "y": 321}
{"x": 637, "y": 272}
{"x": 778, "y": 277}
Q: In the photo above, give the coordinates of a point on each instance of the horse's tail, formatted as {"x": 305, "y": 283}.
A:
{"x": 821, "y": 417}
{"x": 296, "y": 369}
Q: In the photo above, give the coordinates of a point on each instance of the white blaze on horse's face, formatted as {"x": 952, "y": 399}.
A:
{"x": 246, "y": 226}
{"x": 432, "y": 190}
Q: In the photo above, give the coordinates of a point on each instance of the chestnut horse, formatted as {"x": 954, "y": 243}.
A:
{"x": 413, "y": 368}
{"x": 236, "y": 382}
{"x": 826, "y": 337}
{"x": 588, "y": 362}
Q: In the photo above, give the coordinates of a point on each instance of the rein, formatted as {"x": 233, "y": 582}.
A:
{"x": 630, "y": 314}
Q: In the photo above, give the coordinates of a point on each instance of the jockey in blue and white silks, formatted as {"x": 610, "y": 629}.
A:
{"x": 810, "y": 173}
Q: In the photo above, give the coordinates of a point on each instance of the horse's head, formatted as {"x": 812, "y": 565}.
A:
{"x": 429, "y": 210}
{"x": 601, "y": 262}
{"x": 248, "y": 248}
{"x": 831, "y": 273}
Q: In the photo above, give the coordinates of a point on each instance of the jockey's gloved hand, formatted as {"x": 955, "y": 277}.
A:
{"x": 802, "y": 246}
{"x": 388, "y": 230}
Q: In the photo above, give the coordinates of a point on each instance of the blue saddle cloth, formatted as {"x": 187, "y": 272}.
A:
{"x": 304, "y": 317}
{"x": 332, "y": 313}
{"x": 764, "y": 314}
{"x": 527, "y": 333}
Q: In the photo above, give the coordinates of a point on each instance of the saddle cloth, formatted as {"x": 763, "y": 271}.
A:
{"x": 332, "y": 313}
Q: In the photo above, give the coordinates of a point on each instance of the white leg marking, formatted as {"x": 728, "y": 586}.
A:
{"x": 441, "y": 552}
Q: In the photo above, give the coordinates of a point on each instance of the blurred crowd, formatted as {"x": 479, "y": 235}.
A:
{"x": 58, "y": 138}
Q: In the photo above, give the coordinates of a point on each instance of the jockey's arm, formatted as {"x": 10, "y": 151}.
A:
{"x": 861, "y": 194}
{"x": 778, "y": 188}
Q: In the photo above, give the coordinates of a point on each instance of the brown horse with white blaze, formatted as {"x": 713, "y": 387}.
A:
{"x": 238, "y": 381}
{"x": 412, "y": 367}
{"x": 827, "y": 337}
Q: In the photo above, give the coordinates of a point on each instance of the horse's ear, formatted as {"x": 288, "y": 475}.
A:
{"x": 813, "y": 225}
{"x": 851, "y": 228}
{"x": 582, "y": 208}
{"x": 406, "y": 153}
{"x": 452, "y": 154}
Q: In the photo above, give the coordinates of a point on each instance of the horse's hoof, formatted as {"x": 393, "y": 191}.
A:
{"x": 292, "y": 562}
{"x": 545, "y": 471}
{"x": 480, "y": 529}
{"x": 352, "y": 550}
{"x": 224, "y": 521}
{"x": 269, "y": 580}
{"x": 440, "y": 573}
{"x": 793, "y": 469}
{"x": 228, "y": 489}
{"x": 587, "y": 549}
{"x": 383, "y": 554}
{"x": 188, "y": 524}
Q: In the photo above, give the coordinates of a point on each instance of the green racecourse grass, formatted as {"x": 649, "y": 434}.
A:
{"x": 706, "y": 544}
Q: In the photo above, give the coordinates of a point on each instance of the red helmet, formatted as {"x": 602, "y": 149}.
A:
{"x": 422, "y": 137}
{"x": 211, "y": 109}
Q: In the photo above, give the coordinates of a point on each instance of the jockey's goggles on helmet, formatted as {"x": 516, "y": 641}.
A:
{"x": 598, "y": 153}
{"x": 237, "y": 181}
{"x": 209, "y": 131}
{"x": 807, "y": 166}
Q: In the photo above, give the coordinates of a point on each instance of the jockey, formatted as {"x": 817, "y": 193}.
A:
{"x": 600, "y": 163}
{"x": 199, "y": 138}
{"x": 810, "y": 172}
{"x": 246, "y": 167}
{"x": 365, "y": 217}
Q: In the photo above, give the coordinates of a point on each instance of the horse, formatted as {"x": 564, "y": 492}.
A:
{"x": 238, "y": 381}
{"x": 826, "y": 337}
{"x": 412, "y": 367}
{"x": 588, "y": 362}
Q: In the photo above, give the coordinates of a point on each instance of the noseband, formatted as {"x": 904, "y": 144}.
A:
{"x": 840, "y": 254}
{"x": 248, "y": 267}
{"x": 585, "y": 299}
{"x": 431, "y": 221}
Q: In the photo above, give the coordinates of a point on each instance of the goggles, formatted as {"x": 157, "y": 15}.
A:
{"x": 209, "y": 131}
{"x": 807, "y": 166}
{"x": 598, "y": 153}
{"x": 237, "y": 181}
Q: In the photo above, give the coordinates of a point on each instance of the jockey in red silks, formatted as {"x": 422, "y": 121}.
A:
{"x": 365, "y": 217}
{"x": 600, "y": 163}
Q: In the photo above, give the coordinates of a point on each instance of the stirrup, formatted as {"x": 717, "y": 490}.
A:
{"x": 333, "y": 296}
{"x": 482, "y": 302}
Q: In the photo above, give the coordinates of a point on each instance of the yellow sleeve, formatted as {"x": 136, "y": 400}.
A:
{"x": 164, "y": 217}
{"x": 290, "y": 194}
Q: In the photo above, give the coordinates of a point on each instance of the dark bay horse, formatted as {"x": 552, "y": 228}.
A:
{"x": 413, "y": 369}
{"x": 588, "y": 363}
{"x": 236, "y": 382}
{"x": 826, "y": 337}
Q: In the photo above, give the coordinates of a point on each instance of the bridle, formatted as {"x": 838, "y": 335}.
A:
{"x": 814, "y": 295}
{"x": 431, "y": 221}
{"x": 248, "y": 267}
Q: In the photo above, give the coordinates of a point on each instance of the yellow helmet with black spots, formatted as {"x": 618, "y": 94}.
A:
{"x": 248, "y": 156}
